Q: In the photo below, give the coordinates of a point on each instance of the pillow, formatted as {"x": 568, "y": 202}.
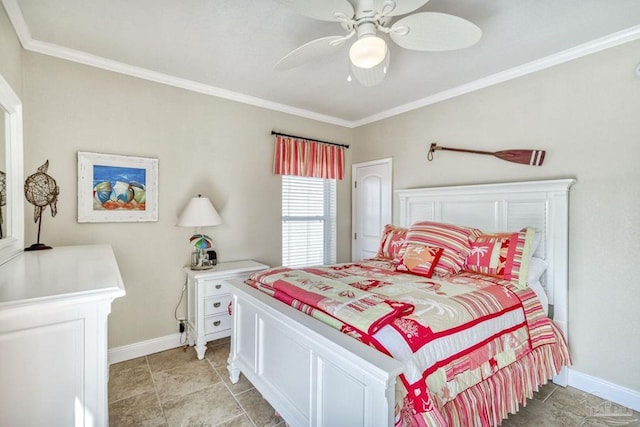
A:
{"x": 503, "y": 255}
{"x": 420, "y": 259}
{"x": 490, "y": 252}
{"x": 535, "y": 245}
{"x": 392, "y": 240}
{"x": 522, "y": 258}
{"x": 454, "y": 240}
{"x": 537, "y": 266}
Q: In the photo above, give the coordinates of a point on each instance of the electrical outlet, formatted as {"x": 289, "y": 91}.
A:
{"x": 182, "y": 327}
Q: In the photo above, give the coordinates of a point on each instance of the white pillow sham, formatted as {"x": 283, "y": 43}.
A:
{"x": 535, "y": 244}
{"x": 537, "y": 267}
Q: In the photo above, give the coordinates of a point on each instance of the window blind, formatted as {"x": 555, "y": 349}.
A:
{"x": 308, "y": 221}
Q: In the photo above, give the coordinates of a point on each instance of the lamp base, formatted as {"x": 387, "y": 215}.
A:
{"x": 37, "y": 247}
{"x": 201, "y": 267}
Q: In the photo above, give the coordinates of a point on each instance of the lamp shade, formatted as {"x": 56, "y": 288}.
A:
{"x": 199, "y": 212}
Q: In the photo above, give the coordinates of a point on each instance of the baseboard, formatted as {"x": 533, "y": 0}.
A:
{"x": 143, "y": 348}
{"x": 605, "y": 389}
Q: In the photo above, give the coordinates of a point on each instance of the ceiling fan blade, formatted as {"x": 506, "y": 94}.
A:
{"x": 323, "y": 10}
{"x": 310, "y": 51}
{"x": 402, "y": 6}
{"x": 431, "y": 31}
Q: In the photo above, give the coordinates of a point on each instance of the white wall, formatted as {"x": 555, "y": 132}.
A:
{"x": 207, "y": 145}
{"x": 10, "y": 51}
{"x": 586, "y": 115}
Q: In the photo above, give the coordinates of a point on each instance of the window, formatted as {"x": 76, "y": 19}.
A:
{"x": 308, "y": 221}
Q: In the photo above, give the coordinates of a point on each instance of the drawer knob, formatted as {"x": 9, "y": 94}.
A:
{"x": 216, "y": 323}
{"x": 218, "y": 286}
{"x": 216, "y": 304}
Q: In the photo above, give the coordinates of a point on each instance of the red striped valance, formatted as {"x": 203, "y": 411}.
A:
{"x": 301, "y": 157}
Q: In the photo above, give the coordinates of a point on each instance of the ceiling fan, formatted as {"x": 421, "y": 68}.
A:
{"x": 369, "y": 54}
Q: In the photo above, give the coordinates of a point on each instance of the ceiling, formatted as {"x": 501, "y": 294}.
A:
{"x": 228, "y": 48}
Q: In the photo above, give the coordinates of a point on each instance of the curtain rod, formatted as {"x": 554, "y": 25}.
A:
{"x": 308, "y": 139}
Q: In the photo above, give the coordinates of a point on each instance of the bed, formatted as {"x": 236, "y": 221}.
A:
{"x": 314, "y": 374}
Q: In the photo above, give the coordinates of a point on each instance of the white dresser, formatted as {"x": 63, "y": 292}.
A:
{"x": 53, "y": 336}
{"x": 208, "y": 299}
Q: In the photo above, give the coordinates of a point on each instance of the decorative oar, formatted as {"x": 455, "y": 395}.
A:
{"x": 525, "y": 157}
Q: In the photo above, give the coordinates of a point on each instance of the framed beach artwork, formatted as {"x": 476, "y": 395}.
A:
{"x": 114, "y": 188}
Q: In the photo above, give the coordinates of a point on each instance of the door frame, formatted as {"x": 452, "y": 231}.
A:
{"x": 354, "y": 167}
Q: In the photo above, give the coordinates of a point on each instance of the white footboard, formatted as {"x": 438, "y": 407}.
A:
{"x": 312, "y": 374}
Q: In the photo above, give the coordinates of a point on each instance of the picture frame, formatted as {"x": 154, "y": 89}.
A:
{"x": 115, "y": 188}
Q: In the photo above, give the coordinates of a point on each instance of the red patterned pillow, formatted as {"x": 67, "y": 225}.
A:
{"x": 455, "y": 241}
{"x": 392, "y": 240}
{"x": 504, "y": 255}
{"x": 420, "y": 259}
{"x": 490, "y": 254}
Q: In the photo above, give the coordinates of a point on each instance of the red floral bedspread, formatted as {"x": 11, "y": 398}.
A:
{"x": 451, "y": 333}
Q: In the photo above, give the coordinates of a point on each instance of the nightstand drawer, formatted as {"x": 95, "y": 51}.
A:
{"x": 217, "y": 304}
{"x": 219, "y": 322}
{"x": 215, "y": 287}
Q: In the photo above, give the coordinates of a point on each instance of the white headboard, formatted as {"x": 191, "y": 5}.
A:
{"x": 505, "y": 207}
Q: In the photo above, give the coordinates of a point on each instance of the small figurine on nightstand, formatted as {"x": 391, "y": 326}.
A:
{"x": 200, "y": 258}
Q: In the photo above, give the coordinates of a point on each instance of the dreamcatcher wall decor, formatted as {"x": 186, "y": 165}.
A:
{"x": 41, "y": 190}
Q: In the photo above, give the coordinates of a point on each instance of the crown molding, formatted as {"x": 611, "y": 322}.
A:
{"x": 28, "y": 43}
{"x": 154, "y": 76}
{"x": 50, "y": 49}
{"x": 17, "y": 20}
{"x": 579, "y": 51}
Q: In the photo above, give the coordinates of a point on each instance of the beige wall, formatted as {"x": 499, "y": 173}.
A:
{"x": 586, "y": 114}
{"x": 206, "y": 145}
{"x": 10, "y": 52}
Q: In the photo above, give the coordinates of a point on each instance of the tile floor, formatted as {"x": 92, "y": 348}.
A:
{"x": 174, "y": 388}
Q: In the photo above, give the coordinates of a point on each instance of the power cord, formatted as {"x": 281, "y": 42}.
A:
{"x": 184, "y": 332}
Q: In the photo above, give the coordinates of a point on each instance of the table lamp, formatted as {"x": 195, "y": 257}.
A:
{"x": 198, "y": 213}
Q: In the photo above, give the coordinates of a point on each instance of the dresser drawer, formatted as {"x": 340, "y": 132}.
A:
{"x": 216, "y": 323}
{"x": 217, "y": 304}
{"x": 218, "y": 286}
{"x": 215, "y": 287}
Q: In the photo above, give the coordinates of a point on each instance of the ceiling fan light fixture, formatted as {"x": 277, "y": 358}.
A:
{"x": 368, "y": 51}
{"x": 369, "y": 54}
{"x": 371, "y": 76}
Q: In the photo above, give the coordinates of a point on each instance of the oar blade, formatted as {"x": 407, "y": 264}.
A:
{"x": 525, "y": 157}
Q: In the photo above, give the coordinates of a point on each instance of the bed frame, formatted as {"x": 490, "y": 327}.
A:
{"x": 314, "y": 375}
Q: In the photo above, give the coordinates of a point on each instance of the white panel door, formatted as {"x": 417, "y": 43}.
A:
{"x": 371, "y": 205}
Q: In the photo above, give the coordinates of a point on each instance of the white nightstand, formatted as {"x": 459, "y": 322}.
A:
{"x": 208, "y": 300}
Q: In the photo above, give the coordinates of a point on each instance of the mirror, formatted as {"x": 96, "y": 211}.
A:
{"x": 3, "y": 179}
{"x": 12, "y": 240}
